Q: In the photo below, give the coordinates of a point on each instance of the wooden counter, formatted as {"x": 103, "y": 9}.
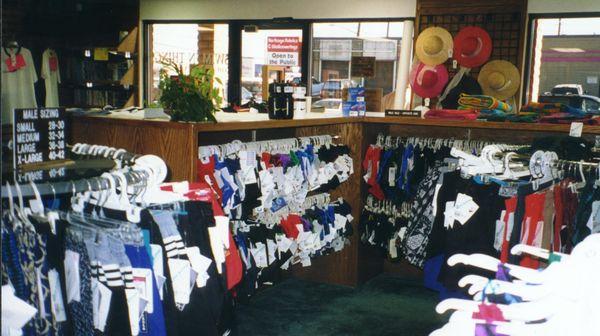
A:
{"x": 177, "y": 144}
{"x": 273, "y": 124}
{"x": 474, "y": 124}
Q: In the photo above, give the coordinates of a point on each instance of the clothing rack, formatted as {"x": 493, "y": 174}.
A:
{"x": 139, "y": 176}
{"x": 389, "y": 141}
{"x": 117, "y": 154}
{"x": 501, "y": 162}
{"x": 134, "y": 178}
{"x": 284, "y": 145}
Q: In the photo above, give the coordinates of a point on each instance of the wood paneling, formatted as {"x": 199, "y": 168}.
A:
{"x": 485, "y": 125}
{"x": 254, "y": 125}
{"x": 341, "y": 267}
{"x": 173, "y": 142}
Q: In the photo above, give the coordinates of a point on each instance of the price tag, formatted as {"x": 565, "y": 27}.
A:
{"x": 427, "y": 101}
{"x": 454, "y": 64}
{"x": 392, "y": 176}
{"x": 576, "y": 129}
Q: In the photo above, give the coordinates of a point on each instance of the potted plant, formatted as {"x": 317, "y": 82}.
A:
{"x": 189, "y": 97}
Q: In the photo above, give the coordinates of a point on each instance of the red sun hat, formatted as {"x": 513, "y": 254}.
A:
{"x": 428, "y": 81}
{"x": 472, "y": 47}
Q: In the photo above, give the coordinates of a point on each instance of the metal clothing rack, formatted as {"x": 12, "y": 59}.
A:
{"x": 391, "y": 141}
{"x": 133, "y": 178}
{"x": 266, "y": 145}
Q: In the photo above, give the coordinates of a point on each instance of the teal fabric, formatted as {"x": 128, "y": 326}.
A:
{"x": 386, "y": 305}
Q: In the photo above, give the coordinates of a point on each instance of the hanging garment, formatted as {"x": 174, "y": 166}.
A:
{"x": 416, "y": 238}
{"x": 469, "y": 232}
{"x": 18, "y": 79}
{"x": 51, "y": 75}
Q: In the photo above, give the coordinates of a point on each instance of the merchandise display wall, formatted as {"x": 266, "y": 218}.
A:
{"x": 178, "y": 144}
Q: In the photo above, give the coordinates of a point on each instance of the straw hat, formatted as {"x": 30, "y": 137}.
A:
{"x": 434, "y": 46}
{"x": 428, "y": 81}
{"x": 472, "y": 47}
{"x": 499, "y": 79}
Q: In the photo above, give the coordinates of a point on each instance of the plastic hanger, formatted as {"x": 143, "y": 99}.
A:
{"x": 534, "y": 251}
{"x": 23, "y": 212}
{"x": 491, "y": 264}
{"x": 522, "y": 290}
{"x": 11, "y": 205}
{"x": 132, "y": 211}
{"x": 576, "y": 186}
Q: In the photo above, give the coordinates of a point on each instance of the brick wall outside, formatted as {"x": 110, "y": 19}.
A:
{"x": 570, "y": 67}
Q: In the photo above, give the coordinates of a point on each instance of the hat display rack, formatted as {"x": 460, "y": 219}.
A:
{"x": 504, "y": 31}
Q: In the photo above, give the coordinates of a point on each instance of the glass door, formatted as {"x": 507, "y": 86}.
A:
{"x": 268, "y": 54}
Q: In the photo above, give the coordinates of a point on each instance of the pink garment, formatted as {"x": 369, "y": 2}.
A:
{"x": 489, "y": 313}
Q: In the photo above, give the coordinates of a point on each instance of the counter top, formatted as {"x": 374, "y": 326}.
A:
{"x": 272, "y": 124}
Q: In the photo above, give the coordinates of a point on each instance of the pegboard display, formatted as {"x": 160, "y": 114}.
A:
{"x": 504, "y": 20}
{"x": 505, "y": 29}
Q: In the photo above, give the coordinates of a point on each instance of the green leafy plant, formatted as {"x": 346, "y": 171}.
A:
{"x": 189, "y": 97}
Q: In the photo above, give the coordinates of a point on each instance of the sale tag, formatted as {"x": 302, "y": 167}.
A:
{"x": 576, "y": 129}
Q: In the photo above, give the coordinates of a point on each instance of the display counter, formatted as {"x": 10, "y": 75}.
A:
{"x": 177, "y": 143}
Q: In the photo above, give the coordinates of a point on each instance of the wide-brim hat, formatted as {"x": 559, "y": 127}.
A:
{"x": 472, "y": 47}
{"x": 499, "y": 79}
{"x": 467, "y": 85}
{"x": 434, "y": 46}
{"x": 428, "y": 81}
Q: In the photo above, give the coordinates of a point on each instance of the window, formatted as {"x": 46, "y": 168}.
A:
{"x": 335, "y": 43}
{"x": 189, "y": 44}
{"x": 565, "y": 61}
{"x": 275, "y": 50}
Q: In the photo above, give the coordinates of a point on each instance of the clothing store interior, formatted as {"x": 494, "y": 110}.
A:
{"x": 300, "y": 167}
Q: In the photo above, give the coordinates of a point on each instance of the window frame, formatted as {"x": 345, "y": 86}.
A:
{"x": 235, "y": 46}
{"x": 146, "y": 45}
{"x": 530, "y": 44}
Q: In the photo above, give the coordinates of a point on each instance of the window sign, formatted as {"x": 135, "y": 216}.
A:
{"x": 283, "y": 50}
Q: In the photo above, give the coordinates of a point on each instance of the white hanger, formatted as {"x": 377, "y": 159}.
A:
{"x": 131, "y": 211}
{"x": 11, "y": 205}
{"x": 576, "y": 186}
{"x": 36, "y": 205}
{"x": 22, "y": 211}
{"x": 509, "y": 173}
{"x": 534, "y": 251}
{"x": 522, "y": 290}
{"x": 463, "y": 305}
{"x": 472, "y": 279}
{"x": 491, "y": 264}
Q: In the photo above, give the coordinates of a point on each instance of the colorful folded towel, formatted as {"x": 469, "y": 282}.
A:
{"x": 482, "y": 102}
{"x": 551, "y": 108}
{"x": 452, "y": 114}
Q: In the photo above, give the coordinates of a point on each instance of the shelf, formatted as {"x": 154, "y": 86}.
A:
{"x": 273, "y": 124}
{"x": 100, "y": 86}
{"x": 532, "y": 127}
{"x": 119, "y": 57}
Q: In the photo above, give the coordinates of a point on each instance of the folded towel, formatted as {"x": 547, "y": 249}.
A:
{"x": 482, "y": 102}
{"x": 551, "y": 108}
{"x": 452, "y": 114}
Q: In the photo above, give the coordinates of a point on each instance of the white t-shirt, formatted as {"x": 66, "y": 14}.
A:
{"x": 51, "y": 77}
{"x": 17, "y": 86}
